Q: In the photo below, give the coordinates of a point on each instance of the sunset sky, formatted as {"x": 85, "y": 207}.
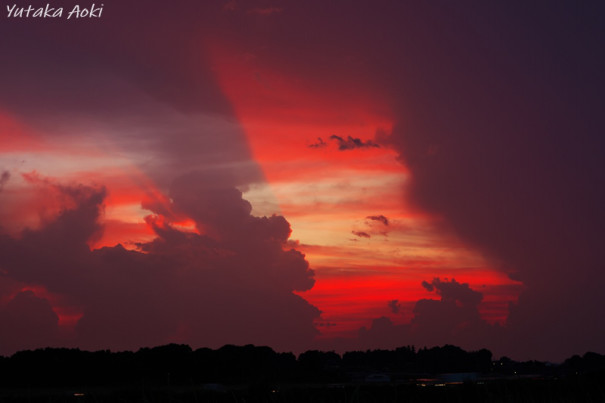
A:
{"x": 304, "y": 175}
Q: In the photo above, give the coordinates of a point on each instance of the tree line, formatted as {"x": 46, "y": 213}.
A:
{"x": 176, "y": 364}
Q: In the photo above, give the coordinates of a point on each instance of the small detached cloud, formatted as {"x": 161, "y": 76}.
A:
{"x": 352, "y": 143}
{"x": 373, "y": 225}
{"x": 379, "y": 218}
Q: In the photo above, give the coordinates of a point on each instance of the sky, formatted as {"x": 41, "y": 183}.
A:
{"x": 304, "y": 175}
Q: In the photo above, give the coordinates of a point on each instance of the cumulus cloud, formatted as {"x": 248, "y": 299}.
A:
{"x": 454, "y": 318}
{"x": 457, "y": 309}
{"x": 231, "y": 283}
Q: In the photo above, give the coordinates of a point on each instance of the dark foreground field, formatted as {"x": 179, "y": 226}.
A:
{"x": 572, "y": 389}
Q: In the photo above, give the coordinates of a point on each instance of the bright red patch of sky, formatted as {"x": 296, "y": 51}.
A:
{"x": 327, "y": 195}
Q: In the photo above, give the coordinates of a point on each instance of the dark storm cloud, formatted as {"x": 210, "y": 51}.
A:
{"x": 502, "y": 134}
{"x": 351, "y": 143}
{"x": 233, "y": 284}
{"x": 379, "y": 218}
